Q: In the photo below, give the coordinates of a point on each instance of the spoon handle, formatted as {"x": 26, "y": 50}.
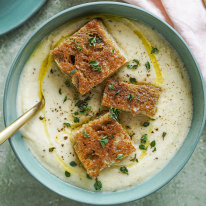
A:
{"x": 18, "y": 123}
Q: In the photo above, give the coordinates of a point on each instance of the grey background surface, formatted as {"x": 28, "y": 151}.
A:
{"x": 18, "y": 188}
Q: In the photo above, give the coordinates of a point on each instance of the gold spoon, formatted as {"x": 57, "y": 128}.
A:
{"x": 18, "y": 123}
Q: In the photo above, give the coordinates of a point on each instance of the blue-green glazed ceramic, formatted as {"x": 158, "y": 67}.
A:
{"x": 173, "y": 166}
{"x": 13, "y": 13}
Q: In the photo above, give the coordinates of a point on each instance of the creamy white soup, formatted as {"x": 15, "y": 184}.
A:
{"x": 48, "y": 134}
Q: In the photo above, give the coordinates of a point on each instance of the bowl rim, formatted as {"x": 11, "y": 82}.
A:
{"x": 117, "y": 200}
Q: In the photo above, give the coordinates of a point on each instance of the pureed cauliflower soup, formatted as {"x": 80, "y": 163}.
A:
{"x": 150, "y": 60}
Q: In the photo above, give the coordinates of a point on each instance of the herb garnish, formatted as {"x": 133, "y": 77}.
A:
{"x": 146, "y": 124}
{"x": 65, "y": 99}
{"x": 90, "y": 178}
{"x": 85, "y": 133}
{"x": 76, "y": 113}
{"x": 144, "y": 139}
{"x": 67, "y": 83}
{"x": 93, "y": 40}
{"x": 112, "y": 136}
{"x": 130, "y": 66}
{"x": 97, "y": 185}
{"x": 154, "y": 50}
{"x": 95, "y": 65}
{"x": 142, "y": 147}
{"x": 51, "y": 149}
{"x": 72, "y": 72}
{"x": 124, "y": 170}
{"x": 117, "y": 93}
{"x": 79, "y": 47}
{"x": 66, "y": 124}
{"x": 163, "y": 135}
{"x": 111, "y": 86}
{"x": 154, "y": 149}
{"x": 119, "y": 156}
{"x": 153, "y": 143}
{"x": 114, "y": 113}
{"x": 73, "y": 163}
{"x": 76, "y": 119}
{"x": 103, "y": 141}
{"x": 147, "y": 65}
{"x": 83, "y": 105}
{"x": 134, "y": 159}
{"x": 130, "y": 97}
{"x": 113, "y": 50}
{"x": 133, "y": 80}
{"x": 133, "y": 66}
{"x": 67, "y": 174}
{"x": 60, "y": 91}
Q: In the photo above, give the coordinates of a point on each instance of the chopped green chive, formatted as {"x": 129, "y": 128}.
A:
{"x": 76, "y": 119}
{"x": 153, "y": 143}
{"x": 147, "y": 65}
{"x": 154, "y": 50}
{"x": 67, "y": 174}
{"x": 85, "y": 133}
{"x": 72, "y": 72}
{"x": 51, "y": 149}
{"x": 164, "y": 134}
{"x": 95, "y": 65}
{"x": 112, "y": 136}
{"x": 73, "y": 163}
{"x": 142, "y": 147}
{"x": 67, "y": 83}
{"x": 144, "y": 139}
{"x": 130, "y": 97}
{"x": 133, "y": 80}
{"x": 124, "y": 170}
{"x": 97, "y": 185}
{"x": 146, "y": 124}
{"x": 119, "y": 156}
{"x": 114, "y": 113}
{"x": 66, "y": 124}
{"x": 65, "y": 99}
{"x": 111, "y": 86}
{"x": 117, "y": 93}
{"x": 76, "y": 113}
{"x": 113, "y": 50}
{"x": 103, "y": 141}
{"x": 90, "y": 178}
{"x": 151, "y": 118}
{"x": 60, "y": 91}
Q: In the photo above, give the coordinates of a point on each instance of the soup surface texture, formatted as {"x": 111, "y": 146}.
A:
{"x": 48, "y": 134}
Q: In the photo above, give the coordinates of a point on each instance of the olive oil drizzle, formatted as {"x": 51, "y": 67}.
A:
{"x": 46, "y": 64}
{"x": 148, "y": 47}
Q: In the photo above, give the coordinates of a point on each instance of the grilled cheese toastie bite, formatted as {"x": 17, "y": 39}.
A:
{"x": 100, "y": 143}
{"x": 138, "y": 99}
{"x": 89, "y": 56}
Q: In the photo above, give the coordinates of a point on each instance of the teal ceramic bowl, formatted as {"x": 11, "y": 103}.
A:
{"x": 173, "y": 166}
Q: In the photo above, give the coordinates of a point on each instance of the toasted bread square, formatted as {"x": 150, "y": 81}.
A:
{"x": 132, "y": 98}
{"x": 89, "y": 56}
{"x": 101, "y": 143}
